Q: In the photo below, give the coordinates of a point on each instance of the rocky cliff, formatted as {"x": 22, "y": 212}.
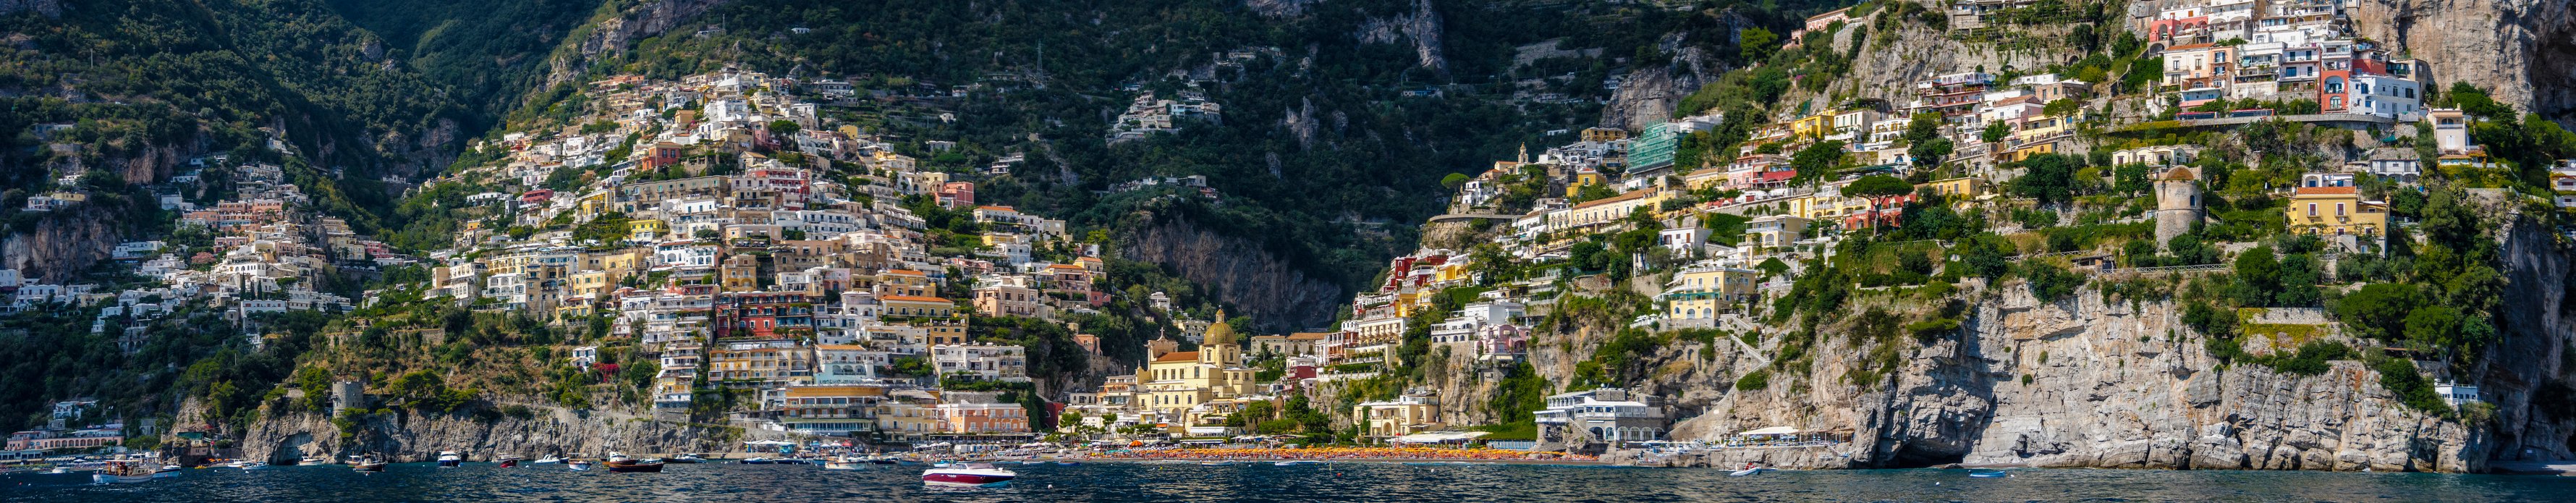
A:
{"x": 1240, "y": 272}
{"x": 616, "y": 32}
{"x": 2524, "y": 50}
{"x": 410, "y": 437}
{"x": 61, "y": 243}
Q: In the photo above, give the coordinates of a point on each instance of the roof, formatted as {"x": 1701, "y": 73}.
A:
{"x": 1308, "y": 336}
{"x": 1063, "y": 266}
{"x": 909, "y": 298}
{"x": 1178, "y": 356}
{"x": 813, "y": 391}
{"x": 2178, "y": 175}
{"x": 1622, "y": 197}
{"x": 904, "y": 272}
{"x": 2324, "y": 190}
{"x": 839, "y": 347}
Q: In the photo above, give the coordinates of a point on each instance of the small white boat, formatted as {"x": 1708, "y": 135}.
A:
{"x": 59, "y": 470}
{"x": 578, "y": 466}
{"x": 968, "y": 475}
{"x": 450, "y": 459}
{"x": 1747, "y": 471}
{"x": 168, "y": 471}
{"x": 313, "y": 460}
{"x": 845, "y": 463}
{"x": 1215, "y": 463}
{"x": 250, "y": 465}
{"x": 549, "y": 459}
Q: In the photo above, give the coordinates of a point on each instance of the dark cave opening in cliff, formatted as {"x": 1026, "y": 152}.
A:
{"x": 1916, "y": 457}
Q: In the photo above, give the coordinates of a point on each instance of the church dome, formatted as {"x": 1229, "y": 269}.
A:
{"x": 1220, "y": 333}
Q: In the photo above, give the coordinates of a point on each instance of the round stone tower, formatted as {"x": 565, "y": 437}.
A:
{"x": 2177, "y": 203}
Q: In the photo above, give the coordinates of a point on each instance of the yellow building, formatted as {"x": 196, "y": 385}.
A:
{"x": 1965, "y": 187}
{"x": 1604, "y": 134}
{"x": 1699, "y": 293}
{"x": 1196, "y": 384}
{"x": 2334, "y": 211}
{"x": 1586, "y": 177}
{"x": 2026, "y": 152}
{"x": 645, "y": 230}
{"x": 1813, "y": 126}
{"x": 1402, "y": 416}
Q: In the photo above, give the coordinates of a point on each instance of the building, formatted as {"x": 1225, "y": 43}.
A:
{"x": 1773, "y": 231}
{"x": 1608, "y": 415}
{"x": 2338, "y": 210}
{"x": 2177, "y": 203}
{"x": 981, "y": 362}
{"x": 1193, "y": 385}
{"x": 1302, "y": 343}
{"x": 1405, "y": 415}
{"x": 1698, "y": 293}
{"x": 840, "y": 411}
{"x": 1653, "y": 149}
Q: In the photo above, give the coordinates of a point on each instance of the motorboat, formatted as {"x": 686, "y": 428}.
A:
{"x": 313, "y": 460}
{"x": 1297, "y": 462}
{"x": 845, "y": 463}
{"x": 168, "y": 471}
{"x": 366, "y": 464}
{"x": 125, "y": 472}
{"x": 620, "y": 463}
{"x": 968, "y": 475}
{"x": 450, "y": 459}
{"x": 1747, "y": 472}
{"x": 510, "y": 463}
{"x": 1988, "y": 474}
{"x": 1215, "y": 463}
{"x": 1066, "y": 463}
{"x": 59, "y": 470}
{"x": 757, "y": 460}
{"x": 550, "y": 458}
{"x": 248, "y": 465}
{"x": 685, "y": 459}
{"x": 577, "y": 465}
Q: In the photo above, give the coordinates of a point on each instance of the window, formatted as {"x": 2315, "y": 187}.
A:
{"x": 2338, "y": 209}
{"x": 2312, "y": 209}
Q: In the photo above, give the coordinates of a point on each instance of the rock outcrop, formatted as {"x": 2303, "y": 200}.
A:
{"x": 1238, "y": 271}
{"x": 2523, "y": 50}
{"x": 61, "y": 243}
{"x": 618, "y": 32}
{"x": 409, "y": 437}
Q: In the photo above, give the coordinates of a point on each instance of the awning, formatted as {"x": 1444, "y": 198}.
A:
{"x": 1775, "y": 430}
{"x": 1437, "y": 437}
{"x": 768, "y": 442}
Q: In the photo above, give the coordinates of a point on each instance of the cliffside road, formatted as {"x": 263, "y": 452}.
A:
{"x": 1462, "y": 217}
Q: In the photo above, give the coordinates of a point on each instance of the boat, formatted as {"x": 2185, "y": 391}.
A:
{"x": 845, "y": 463}
{"x": 168, "y": 471}
{"x": 882, "y": 461}
{"x": 125, "y": 472}
{"x": 510, "y": 463}
{"x": 1215, "y": 463}
{"x": 59, "y": 470}
{"x": 968, "y": 475}
{"x": 449, "y": 459}
{"x": 1747, "y": 471}
{"x": 757, "y": 460}
{"x": 1988, "y": 474}
{"x": 1297, "y": 462}
{"x": 366, "y": 464}
{"x": 619, "y": 463}
{"x": 578, "y": 465}
{"x": 685, "y": 459}
{"x": 550, "y": 458}
{"x": 249, "y": 465}
{"x": 1066, "y": 463}
{"x": 313, "y": 460}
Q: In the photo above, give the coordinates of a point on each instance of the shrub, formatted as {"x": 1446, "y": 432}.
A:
{"x": 1755, "y": 380}
{"x": 2398, "y": 376}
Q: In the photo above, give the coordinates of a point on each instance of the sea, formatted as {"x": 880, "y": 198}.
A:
{"x": 1263, "y": 482}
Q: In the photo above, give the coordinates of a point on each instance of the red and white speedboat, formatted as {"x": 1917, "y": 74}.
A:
{"x": 967, "y": 475}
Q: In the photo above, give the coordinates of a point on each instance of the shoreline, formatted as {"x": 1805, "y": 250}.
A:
{"x": 1445, "y": 461}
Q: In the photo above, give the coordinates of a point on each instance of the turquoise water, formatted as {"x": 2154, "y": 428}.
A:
{"x": 1263, "y": 482}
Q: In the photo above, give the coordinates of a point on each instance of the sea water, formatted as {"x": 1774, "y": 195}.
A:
{"x": 1183, "y": 481}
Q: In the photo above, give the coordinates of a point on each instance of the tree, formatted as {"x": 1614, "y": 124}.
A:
{"x": 1930, "y": 153}
{"x": 1995, "y": 132}
{"x": 1878, "y": 188}
{"x": 2379, "y": 310}
{"x": 2050, "y": 178}
{"x": 1756, "y": 44}
{"x": 1454, "y": 180}
{"x": 2258, "y": 277}
{"x": 783, "y": 128}
{"x": 2063, "y": 107}
{"x": 1819, "y": 160}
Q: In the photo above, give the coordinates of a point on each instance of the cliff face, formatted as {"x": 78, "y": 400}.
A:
{"x": 2527, "y": 374}
{"x": 408, "y": 437}
{"x": 1239, "y": 272}
{"x": 616, "y": 33}
{"x": 2525, "y": 50}
{"x": 61, "y": 244}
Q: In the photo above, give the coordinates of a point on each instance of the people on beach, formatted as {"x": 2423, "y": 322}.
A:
{"x": 1332, "y": 453}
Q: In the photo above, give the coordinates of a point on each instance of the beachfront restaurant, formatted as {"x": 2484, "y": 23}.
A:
{"x": 1783, "y": 436}
{"x": 1438, "y": 438}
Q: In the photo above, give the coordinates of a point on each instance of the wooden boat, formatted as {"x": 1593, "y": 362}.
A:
{"x": 620, "y": 463}
{"x": 125, "y": 472}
